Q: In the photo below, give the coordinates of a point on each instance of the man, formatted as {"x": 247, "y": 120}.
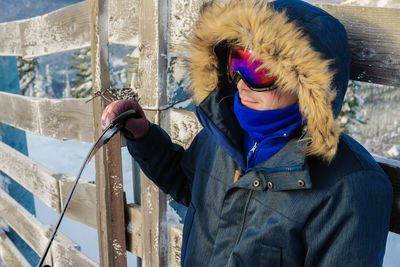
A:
{"x": 270, "y": 180}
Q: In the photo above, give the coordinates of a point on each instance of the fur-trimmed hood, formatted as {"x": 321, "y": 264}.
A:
{"x": 305, "y": 47}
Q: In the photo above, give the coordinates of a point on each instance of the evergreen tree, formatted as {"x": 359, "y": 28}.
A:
{"x": 350, "y": 115}
{"x": 82, "y": 87}
{"x": 38, "y": 89}
{"x": 27, "y": 71}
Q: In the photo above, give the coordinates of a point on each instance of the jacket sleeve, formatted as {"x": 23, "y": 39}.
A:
{"x": 351, "y": 226}
{"x": 161, "y": 161}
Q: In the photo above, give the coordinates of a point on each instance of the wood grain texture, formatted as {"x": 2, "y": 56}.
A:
{"x": 124, "y": 22}
{"x": 10, "y": 254}
{"x": 82, "y": 207}
{"x": 392, "y": 169}
{"x": 181, "y": 125}
{"x": 57, "y": 118}
{"x": 152, "y": 84}
{"x": 66, "y": 29}
{"x": 61, "y": 30}
{"x": 52, "y": 189}
{"x": 109, "y": 187}
{"x": 10, "y": 39}
{"x": 152, "y": 72}
{"x": 374, "y": 38}
{"x": 133, "y": 224}
{"x": 63, "y": 252}
{"x": 175, "y": 243}
{"x": 31, "y": 175}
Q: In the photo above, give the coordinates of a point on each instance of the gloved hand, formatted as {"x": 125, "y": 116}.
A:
{"x": 134, "y": 128}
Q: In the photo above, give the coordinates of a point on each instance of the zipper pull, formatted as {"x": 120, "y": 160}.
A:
{"x": 254, "y": 147}
{"x": 251, "y": 153}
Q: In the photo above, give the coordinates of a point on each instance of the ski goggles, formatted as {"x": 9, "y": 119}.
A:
{"x": 244, "y": 65}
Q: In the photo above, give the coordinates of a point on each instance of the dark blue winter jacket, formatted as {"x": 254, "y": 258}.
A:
{"x": 321, "y": 200}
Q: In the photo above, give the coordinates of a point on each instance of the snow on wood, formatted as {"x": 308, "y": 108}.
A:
{"x": 61, "y": 30}
{"x": 175, "y": 237}
{"x": 377, "y": 3}
{"x": 52, "y": 189}
{"x": 10, "y": 39}
{"x": 152, "y": 74}
{"x": 133, "y": 218}
{"x": 183, "y": 15}
{"x": 124, "y": 22}
{"x": 32, "y": 176}
{"x": 66, "y": 29}
{"x": 57, "y": 118}
{"x": 63, "y": 252}
{"x": 10, "y": 254}
{"x": 110, "y": 200}
{"x": 153, "y": 54}
{"x": 181, "y": 125}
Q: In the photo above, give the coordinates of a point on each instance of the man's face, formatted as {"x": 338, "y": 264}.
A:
{"x": 266, "y": 100}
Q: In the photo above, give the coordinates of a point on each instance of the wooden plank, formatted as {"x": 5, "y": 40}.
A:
{"x": 152, "y": 54}
{"x": 57, "y": 118}
{"x": 82, "y": 207}
{"x": 374, "y": 38}
{"x": 61, "y": 30}
{"x": 10, "y": 254}
{"x": 183, "y": 16}
{"x": 64, "y": 252}
{"x": 66, "y": 29}
{"x": 10, "y": 39}
{"x": 19, "y": 112}
{"x": 133, "y": 218}
{"x": 392, "y": 169}
{"x": 31, "y": 175}
{"x": 152, "y": 92}
{"x": 181, "y": 125}
{"x": 109, "y": 188}
{"x": 175, "y": 237}
{"x": 52, "y": 189}
{"x": 124, "y": 22}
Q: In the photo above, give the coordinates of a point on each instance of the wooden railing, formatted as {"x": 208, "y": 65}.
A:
{"x": 375, "y": 43}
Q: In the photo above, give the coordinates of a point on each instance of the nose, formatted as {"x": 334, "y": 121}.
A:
{"x": 242, "y": 86}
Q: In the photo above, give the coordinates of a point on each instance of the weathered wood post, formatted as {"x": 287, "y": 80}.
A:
{"x": 152, "y": 92}
{"x": 109, "y": 189}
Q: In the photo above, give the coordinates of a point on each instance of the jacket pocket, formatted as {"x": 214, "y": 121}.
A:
{"x": 269, "y": 256}
{"x": 187, "y": 227}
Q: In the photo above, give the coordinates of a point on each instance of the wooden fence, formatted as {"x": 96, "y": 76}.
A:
{"x": 374, "y": 37}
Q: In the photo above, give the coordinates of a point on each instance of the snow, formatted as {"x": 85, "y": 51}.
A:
{"x": 373, "y": 3}
{"x": 173, "y": 217}
{"x": 394, "y": 151}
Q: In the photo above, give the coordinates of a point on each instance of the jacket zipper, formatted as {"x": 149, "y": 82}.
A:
{"x": 250, "y": 154}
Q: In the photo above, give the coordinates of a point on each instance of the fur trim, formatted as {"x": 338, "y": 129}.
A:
{"x": 284, "y": 49}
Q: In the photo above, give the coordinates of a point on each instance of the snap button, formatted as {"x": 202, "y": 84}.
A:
{"x": 301, "y": 183}
{"x": 270, "y": 185}
{"x": 256, "y": 183}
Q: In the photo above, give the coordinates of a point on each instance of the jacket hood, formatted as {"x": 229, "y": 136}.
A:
{"x": 304, "y": 46}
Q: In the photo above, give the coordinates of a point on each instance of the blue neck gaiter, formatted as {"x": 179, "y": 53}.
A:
{"x": 271, "y": 129}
